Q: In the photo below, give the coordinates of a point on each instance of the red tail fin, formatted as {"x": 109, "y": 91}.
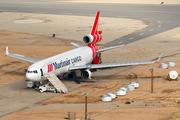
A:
{"x": 94, "y": 36}
{"x": 95, "y": 25}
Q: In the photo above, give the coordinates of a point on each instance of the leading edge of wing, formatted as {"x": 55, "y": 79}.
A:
{"x": 109, "y": 65}
{"x": 21, "y": 57}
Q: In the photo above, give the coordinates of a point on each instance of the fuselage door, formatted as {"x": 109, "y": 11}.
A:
{"x": 41, "y": 72}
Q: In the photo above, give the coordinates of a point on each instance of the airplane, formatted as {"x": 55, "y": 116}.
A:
{"x": 83, "y": 58}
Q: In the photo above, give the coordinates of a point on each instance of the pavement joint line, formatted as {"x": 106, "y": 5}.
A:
{"x": 151, "y": 30}
{"x": 141, "y": 34}
{"x": 159, "y": 26}
{"x": 131, "y": 38}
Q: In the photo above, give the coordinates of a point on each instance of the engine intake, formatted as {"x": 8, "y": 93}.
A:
{"x": 91, "y": 39}
{"x": 86, "y": 74}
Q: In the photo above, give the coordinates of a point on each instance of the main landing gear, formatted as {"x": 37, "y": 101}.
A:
{"x": 72, "y": 75}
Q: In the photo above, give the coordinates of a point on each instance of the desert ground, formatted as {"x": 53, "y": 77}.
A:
{"x": 140, "y": 104}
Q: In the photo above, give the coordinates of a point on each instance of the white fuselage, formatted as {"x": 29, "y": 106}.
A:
{"x": 59, "y": 64}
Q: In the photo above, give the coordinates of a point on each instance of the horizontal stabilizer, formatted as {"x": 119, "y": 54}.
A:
{"x": 108, "y": 48}
{"x": 76, "y": 45}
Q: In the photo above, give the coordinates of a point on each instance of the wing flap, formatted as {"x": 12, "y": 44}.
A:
{"x": 110, "y": 65}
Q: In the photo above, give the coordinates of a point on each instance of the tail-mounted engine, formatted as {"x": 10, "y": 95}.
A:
{"x": 86, "y": 74}
{"x": 95, "y": 35}
{"x": 92, "y": 39}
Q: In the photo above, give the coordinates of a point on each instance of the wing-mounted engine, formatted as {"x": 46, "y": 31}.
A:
{"x": 86, "y": 74}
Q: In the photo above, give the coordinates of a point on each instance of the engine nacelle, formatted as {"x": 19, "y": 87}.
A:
{"x": 91, "y": 39}
{"x": 86, "y": 74}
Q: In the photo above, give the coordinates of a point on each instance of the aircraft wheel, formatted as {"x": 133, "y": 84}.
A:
{"x": 41, "y": 90}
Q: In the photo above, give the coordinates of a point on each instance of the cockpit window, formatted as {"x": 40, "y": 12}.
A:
{"x": 35, "y": 71}
{"x": 29, "y": 71}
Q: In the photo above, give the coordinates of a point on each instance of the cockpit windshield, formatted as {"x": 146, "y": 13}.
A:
{"x": 35, "y": 71}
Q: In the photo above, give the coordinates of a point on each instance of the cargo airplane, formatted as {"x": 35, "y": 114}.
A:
{"x": 86, "y": 59}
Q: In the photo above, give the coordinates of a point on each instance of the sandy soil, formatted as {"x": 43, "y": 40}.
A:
{"x": 34, "y": 46}
{"x": 12, "y": 70}
{"x": 28, "y": 44}
{"x": 146, "y": 113}
{"x": 69, "y": 26}
{"x": 25, "y": 44}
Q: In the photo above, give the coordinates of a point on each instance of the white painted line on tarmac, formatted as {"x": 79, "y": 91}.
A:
{"x": 159, "y": 26}
{"x": 141, "y": 34}
{"x": 131, "y": 38}
{"x": 151, "y": 30}
{"x": 159, "y": 22}
{"x": 120, "y": 42}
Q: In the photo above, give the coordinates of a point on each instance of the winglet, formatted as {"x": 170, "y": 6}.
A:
{"x": 7, "y": 51}
{"x": 95, "y": 25}
{"x": 159, "y": 58}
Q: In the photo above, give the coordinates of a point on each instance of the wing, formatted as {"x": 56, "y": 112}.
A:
{"x": 21, "y": 57}
{"x": 110, "y": 65}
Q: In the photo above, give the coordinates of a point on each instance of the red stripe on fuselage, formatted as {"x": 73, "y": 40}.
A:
{"x": 94, "y": 49}
{"x": 50, "y": 67}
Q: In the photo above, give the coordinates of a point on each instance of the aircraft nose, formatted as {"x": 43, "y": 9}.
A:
{"x": 29, "y": 76}
{"x": 32, "y": 77}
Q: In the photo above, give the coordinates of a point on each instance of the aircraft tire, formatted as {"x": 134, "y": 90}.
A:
{"x": 40, "y": 90}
